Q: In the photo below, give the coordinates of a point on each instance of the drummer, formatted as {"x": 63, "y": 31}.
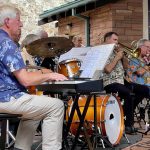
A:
{"x": 29, "y": 59}
{"x": 78, "y": 41}
{"x": 47, "y": 62}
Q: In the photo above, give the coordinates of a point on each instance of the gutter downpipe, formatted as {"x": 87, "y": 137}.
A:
{"x": 87, "y": 25}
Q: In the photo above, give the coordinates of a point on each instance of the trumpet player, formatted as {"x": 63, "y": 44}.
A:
{"x": 114, "y": 80}
{"x": 139, "y": 67}
{"x": 138, "y": 73}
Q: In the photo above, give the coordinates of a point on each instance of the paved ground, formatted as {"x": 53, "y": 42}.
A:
{"x": 138, "y": 142}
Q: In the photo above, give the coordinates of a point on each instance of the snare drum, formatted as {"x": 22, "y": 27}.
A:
{"x": 110, "y": 120}
{"x": 69, "y": 68}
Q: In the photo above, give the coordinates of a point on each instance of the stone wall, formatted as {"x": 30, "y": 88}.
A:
{"x": 30, "y": 10}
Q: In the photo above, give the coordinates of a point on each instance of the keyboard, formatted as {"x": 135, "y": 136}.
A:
{"x": 72, "y": 86}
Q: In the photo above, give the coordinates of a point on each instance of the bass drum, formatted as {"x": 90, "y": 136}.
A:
{"x": 69, "y": 68}
{"x": 110, "y": 118}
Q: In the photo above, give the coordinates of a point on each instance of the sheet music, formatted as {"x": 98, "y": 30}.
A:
{"x": 95, "y": 60}
{"x": 75, "y": 53}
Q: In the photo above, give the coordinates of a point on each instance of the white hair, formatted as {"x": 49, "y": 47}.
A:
{"x": 141, "y": 42}
{"x": 7, "y": 11}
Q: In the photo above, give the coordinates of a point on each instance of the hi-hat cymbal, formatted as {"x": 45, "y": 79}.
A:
{"x": 49, "y": 47}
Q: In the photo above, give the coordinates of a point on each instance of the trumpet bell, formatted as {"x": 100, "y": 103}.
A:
{"x": 136, "y": 53}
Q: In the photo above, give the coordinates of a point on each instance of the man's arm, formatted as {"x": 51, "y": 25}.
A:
{"x": 34, "y": 78}
{"x": 109, "y": 67}
{"x": 142, "y": 70}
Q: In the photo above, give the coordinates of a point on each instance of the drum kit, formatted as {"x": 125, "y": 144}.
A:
{"x": 110, "y": 119}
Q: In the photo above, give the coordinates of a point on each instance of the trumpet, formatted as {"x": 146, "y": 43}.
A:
{"x": 129, "y": 52}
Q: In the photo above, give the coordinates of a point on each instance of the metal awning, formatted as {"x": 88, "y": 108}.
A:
{"x": 63, "y": 11}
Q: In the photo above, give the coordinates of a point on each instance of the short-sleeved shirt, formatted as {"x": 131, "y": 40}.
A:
{"x": 134, "y": 65}
{"x": 117, "y": 74}
{"x": 10, "y": 61}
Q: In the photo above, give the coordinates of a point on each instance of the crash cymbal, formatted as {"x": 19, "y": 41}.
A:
{"x": 49, "y": 47}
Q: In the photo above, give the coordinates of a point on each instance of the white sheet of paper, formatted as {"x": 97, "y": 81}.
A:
{"x": 95, "y": 59}
{"x": 75, "y": 53}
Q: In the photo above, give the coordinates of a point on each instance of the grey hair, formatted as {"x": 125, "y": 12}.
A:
{"x": 7, "y": 11}
{"x": 42, "y": 34}
{"x": 141, "y": 42}
{"x": 29, "y": 39}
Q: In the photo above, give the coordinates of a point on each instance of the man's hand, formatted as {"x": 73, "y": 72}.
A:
{"x": 119, "y": 55}
{"x": 56, "y": 77}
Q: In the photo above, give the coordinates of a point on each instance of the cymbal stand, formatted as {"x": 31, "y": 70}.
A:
{"x": 56, "y": 60}
{"x": 147, "y": 126}
{"x": 124, "y": 134}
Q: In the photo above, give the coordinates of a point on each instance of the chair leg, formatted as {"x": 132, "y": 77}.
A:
{"x": 8, "y": 136}
{"x": 3, "y": 134}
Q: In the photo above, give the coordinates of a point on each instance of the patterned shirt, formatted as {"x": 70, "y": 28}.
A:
{"x": 10, "y": 61}
{"x": 134, "y": 65}
{"x": 117, "y": 74}
{"x": 38, "y": 60}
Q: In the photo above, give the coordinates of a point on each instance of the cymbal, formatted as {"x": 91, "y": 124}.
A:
{"x": 49, "y": 47}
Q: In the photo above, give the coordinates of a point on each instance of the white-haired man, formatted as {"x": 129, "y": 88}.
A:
{"x": 14, "y": 80}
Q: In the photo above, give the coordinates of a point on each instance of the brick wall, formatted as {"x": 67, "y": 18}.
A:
{"x": 124, "y": 17}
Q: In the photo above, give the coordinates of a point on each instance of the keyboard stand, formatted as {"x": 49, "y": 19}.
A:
{"x": 81, "y": 118}
{"x": 75, "y": 89}
{"x": 96, "y": 135}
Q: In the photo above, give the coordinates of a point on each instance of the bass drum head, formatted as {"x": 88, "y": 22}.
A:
{"x": 114, "y": 122}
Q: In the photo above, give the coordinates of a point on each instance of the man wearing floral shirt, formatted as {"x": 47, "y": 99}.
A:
{"x": 14, "y": 79}
{"x": 114, "y": 80}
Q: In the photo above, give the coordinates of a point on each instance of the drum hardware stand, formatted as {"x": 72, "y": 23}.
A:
{"x": 56, "y": 64}
{"x": 124, "y": 134}
{"x": 147, "y": 130}
{"x": 87, "y": 138}
{"x": 147, "y": 126}
{"x": 96, "y": 134}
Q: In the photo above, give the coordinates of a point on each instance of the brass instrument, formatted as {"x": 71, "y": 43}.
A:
{"x": 129, "y": 52}
{"x": 134, "y": 44}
